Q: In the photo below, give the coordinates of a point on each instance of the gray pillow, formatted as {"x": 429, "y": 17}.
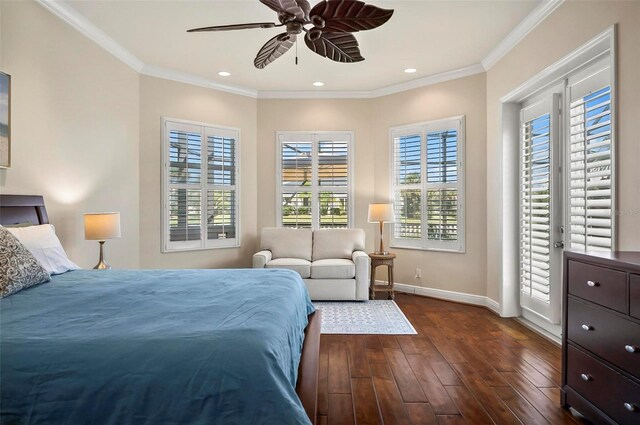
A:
{"x": 19, "y": 269}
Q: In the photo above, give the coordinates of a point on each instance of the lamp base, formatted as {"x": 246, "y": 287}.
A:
{"x": 102, "y": 266}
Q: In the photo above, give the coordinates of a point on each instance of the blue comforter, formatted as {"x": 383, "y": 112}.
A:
{"x": 154, "y": 347}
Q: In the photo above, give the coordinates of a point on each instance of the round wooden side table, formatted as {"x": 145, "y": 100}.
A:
{"x": 381, "y": 260}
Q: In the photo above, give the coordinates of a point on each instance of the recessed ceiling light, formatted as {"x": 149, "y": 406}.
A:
{"x": 224, "y": 74}
{"x": 410, "y": 70}
{"x": 318, "y": 84}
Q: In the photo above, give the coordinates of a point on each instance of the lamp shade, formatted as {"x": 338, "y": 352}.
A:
{"x": 101, "y": 226}
{"x": 380, "y": 212}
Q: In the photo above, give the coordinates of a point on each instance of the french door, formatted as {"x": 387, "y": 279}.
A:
{"x": 541, "y": 227}
{"x": 566, "y": 187}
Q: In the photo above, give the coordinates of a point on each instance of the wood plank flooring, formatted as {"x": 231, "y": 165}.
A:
{"x": 465, "y": 366}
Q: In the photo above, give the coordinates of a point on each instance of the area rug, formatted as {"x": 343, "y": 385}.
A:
{"x": 369, "y": 317}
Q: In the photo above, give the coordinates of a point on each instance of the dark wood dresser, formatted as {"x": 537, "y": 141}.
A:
{"x": 601, "y": 336}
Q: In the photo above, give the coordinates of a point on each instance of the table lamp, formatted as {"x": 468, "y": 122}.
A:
{"x": 381, "y": 213}
{"x": 100, "y": 227}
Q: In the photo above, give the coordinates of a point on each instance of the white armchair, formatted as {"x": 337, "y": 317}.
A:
{"x": 332, "y": 262}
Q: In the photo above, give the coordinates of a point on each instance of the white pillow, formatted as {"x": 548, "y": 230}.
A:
{"x": 43, "y": 243}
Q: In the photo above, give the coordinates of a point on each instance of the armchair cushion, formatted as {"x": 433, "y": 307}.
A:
{"x": 287, "y": 243}
{"x": 303, "y": 267}
{"x": 333, "y": 269}
{"x": 337, "y": 243}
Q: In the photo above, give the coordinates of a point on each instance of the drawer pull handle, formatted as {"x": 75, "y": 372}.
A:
{"x": 631, "y": 407}
{"x": 588, "y": 328}
{"x": 631, "y": 348}
{"x": 592, "y": 284}
{"x": 586, "y": 377}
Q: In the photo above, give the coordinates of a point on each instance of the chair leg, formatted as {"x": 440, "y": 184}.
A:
{"x": 392, "y": 295}
{"x": 372, "y": 292}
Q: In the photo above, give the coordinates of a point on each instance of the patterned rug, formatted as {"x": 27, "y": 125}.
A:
{"x": 370, "y": 317}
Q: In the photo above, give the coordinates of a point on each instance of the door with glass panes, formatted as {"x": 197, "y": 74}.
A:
{"x": 540, "y": 207}
{"x": 566, "y": 189}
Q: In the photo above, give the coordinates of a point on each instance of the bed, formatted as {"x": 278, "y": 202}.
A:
{"x": 157, "y": 346}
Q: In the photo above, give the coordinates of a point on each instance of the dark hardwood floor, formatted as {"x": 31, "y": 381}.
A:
{"x": 465, "y": 366}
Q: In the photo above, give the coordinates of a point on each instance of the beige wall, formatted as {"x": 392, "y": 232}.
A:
{"x": 163, "y": 98}
{"x": 316, "y": 115}
{"x": 371, "y": 120}
{"x": 570, "y": 26}
{"x": 86, "y": 134}
{"x": 460, "y": 272}
{"x": 74, "y": 129}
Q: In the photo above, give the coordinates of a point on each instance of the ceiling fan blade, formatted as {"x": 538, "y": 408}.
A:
{"x": 348, "y": 16}
{"x": 273, "y": 49}
{"x": 298, "y": 8}
{"x": 339, "y": 47}
{"x": 235, "y": 27}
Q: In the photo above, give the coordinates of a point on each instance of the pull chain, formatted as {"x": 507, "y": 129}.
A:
{"x": 296, "y": 50}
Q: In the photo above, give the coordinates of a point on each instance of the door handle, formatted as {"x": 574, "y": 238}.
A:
{"x": 559, "y": 244}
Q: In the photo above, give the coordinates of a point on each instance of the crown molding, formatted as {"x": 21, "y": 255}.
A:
{"x": 183, "y": 77}
{"x": 532, "y": 20}
{"x": 430, "y": 79}
{"x": 87, "y": 28}
{"x": 370, "y": 94}
{"x": 310, "y": 94}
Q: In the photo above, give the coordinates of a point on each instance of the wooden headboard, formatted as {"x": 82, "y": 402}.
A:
{"x": 15, "y": 209}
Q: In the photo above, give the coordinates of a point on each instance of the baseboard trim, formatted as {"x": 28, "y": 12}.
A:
{"x": 540, "y": 331}
{"x": 442, "y": 294}
{"x": 479, "y": 300}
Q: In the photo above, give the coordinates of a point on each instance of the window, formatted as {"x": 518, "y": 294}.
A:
{"x": 314, "y": 177}
{"x": 590, "y": 160}
{"x": 200, "y": 190}
{"x": 428, "y": 185}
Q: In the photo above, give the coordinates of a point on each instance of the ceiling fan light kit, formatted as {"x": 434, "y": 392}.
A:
{"x": 331, "y": 36}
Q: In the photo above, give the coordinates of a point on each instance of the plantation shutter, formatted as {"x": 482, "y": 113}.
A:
{"x": 591, "y": 219}
{"x": 535, "y": 207}
{"x": 184, "y": 201}
{"x": 221, "y": 185}
{"x": 407, "y": 186}
{"x": 540, "y": 208}
{"x": 442, "y": 185}
{"x": 428, "y": 185}
{"x": 200, "y": 172}
{"x": 296, "y": 179}
{"x": 314, "y": 180}
{"x": 333, "y": 181}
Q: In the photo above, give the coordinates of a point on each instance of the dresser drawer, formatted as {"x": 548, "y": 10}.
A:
{"x": 634, "y": 304}
{"x": 599, "y": 285}
{"x": 605, "y": 334}
{"x": 609, "y": 391}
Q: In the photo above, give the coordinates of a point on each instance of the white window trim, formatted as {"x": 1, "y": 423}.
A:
{"x": 422, "y": 128}
{"x": 313, "y": 137}
{"x": 596, "y": 48}
{"x": 204, "y": 243}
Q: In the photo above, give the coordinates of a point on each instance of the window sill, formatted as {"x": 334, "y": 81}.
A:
{"x": 444, "y": 250}
{"x": 170, "y": 251}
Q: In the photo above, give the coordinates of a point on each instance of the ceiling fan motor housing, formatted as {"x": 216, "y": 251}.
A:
{"x": 294, "y": 27}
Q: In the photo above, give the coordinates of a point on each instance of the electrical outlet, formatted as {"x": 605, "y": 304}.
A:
{"x": 418, "y": 273}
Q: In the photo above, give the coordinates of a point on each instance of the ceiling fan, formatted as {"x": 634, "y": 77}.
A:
{"x": 332, "y": 20}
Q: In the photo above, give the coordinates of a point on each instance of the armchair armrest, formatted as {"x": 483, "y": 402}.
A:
{"x": 260, "y": 259}
{"x": 363, "y": 271}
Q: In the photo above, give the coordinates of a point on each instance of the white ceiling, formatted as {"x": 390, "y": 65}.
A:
{"x": 432, "y": 36}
